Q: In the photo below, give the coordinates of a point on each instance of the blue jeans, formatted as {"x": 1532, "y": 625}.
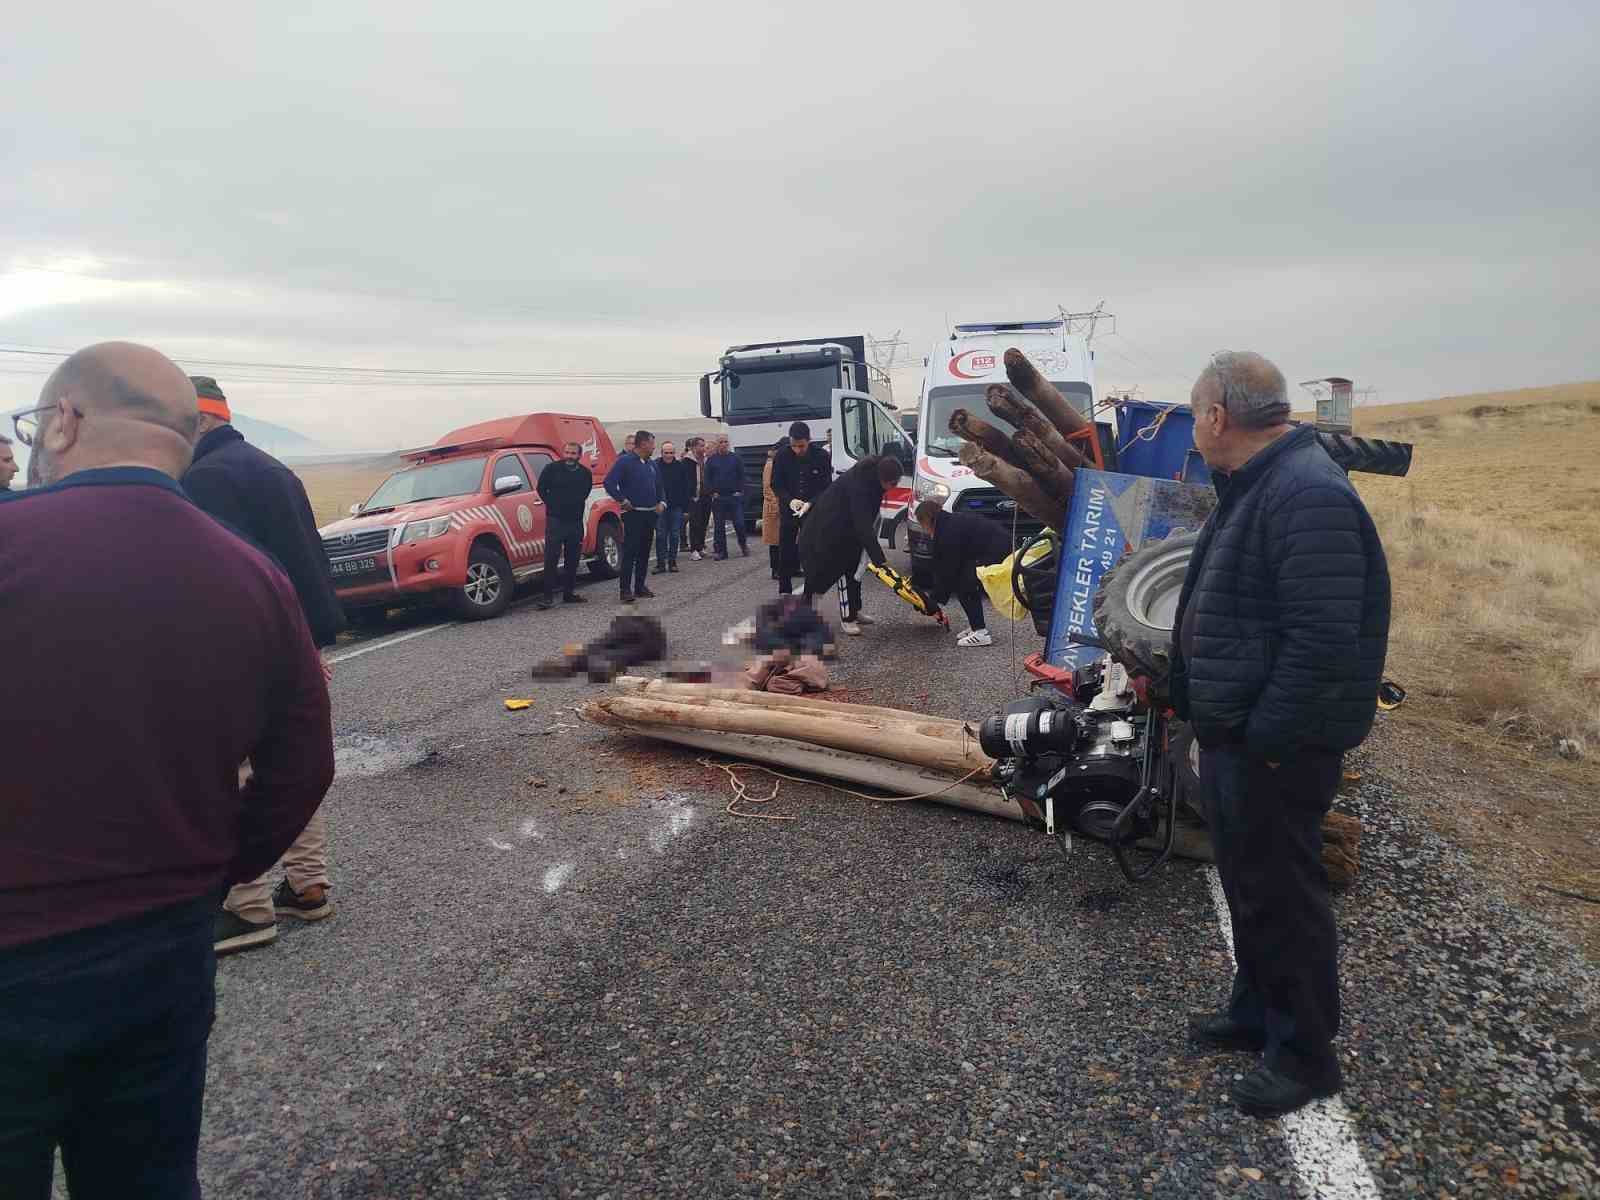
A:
{"x": 725, "y": 507}
{"x": 669, "y": 533}
{"x": 103, "y": 1053}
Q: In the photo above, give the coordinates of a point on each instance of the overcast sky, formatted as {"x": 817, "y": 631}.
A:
{"x": 1405, "y": 194}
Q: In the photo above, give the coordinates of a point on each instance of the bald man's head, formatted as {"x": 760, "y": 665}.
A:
{"x": 114, "y": 404}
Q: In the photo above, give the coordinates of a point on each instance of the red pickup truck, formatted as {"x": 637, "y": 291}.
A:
{"x": 463, "y": 521}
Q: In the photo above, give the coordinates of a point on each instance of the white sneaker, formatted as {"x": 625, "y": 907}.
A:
{"x": 697, "y": 556}
{"x": 850, "y": 627}
{"x": 975, "y": 637}
{"x": 863, "y": 619}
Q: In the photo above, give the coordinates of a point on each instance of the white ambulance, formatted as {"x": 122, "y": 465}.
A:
{"x": 957, "y": 372}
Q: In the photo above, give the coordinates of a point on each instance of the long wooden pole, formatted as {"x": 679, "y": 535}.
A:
{"x": 688, "y": 693}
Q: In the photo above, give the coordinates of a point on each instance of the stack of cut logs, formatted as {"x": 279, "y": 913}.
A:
{"x": 890, "y": 749}
{"x": 1034, "y": 465}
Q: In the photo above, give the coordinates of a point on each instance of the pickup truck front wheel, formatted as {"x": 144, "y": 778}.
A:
{"x": 607, "y": 560}
{"x": 487, "y": 592}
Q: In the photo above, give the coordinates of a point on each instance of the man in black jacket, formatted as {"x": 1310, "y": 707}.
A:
{"x": 256, "y": 495}
{"x": 841, "y": 526}
{"x": 724, "y": 484}
{"x": 961, "y": 543}
{"x": 800, "y": 473}
{"x": 564, "y": 486}
{"x": 1282, "y": 627}
{"x": 678, "y": 478}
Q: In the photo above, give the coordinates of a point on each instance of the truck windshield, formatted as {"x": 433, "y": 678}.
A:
{"x": 941, "y": 402}
{"x": 798, "y": 394}
{"x": 432, "y": 481}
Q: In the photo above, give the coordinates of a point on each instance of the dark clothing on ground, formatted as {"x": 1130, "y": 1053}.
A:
{"x": 563, "y": 546}
{"x": 1284, "y": 614}
{"x": 729, "y": 506}
{"x": 129, "y": 801}
{"x": 841, "y": 526}
{"x": 103, "y": 1053}
{"x": 963, "y": 542}
{"x": 724, "y": 475}
{"x": 789, "y": 623}
{"x": 638, "y": 531}
{"x": 564, "y": 487}
{"x": 1266, "y": 826}
{"x": 633, "y": 479}
{"x": 261, "y": 498}
{"x": 677, "y": 481}
{"x": 1282, "y": 627}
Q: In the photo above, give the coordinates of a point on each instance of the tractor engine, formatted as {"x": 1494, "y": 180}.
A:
{"x": 1073, "y": 764}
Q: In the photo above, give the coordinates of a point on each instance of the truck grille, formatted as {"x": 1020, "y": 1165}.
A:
{"x": 363, "y": 541}
{"x": 753, "y": 459}
{"x": 995, "y": 505}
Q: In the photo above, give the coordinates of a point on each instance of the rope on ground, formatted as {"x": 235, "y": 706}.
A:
{"x": 742, "y": 792}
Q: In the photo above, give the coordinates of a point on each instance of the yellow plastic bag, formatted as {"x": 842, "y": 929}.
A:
{"x": 996, "y": 580}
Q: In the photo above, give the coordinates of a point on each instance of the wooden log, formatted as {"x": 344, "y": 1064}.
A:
{"x": 1341, "y": 848}
{"x": 1005, "y": 405}
{"x": 933, "y": 726}
{"x": 855, "y": 735}
{"x": 1019, "y": 485}
{"x": 975, "y": 429}
{"x": 1045, "y": 466}
{"x": 1043, "y": 395}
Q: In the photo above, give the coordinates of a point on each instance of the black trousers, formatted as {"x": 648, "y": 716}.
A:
{"x": 699, "y": 514}
{"x": 1266, "y": 826}
{"x": 816, "y": 586}
{"x": 972, "y": 604}
{"x": 562, "y": 539}
{"x": 788, "y": 553}
{"x": 103, "y": 1053}
{"x": 725, "y": 509}
{"x": 638, "y": 531}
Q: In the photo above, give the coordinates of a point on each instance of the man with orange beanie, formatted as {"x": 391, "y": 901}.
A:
{"x": 260, "y": 498}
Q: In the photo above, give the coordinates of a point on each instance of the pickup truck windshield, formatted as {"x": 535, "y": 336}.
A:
{"x": 941, "y": 402}
{"x": 432, "y": 481}
{"x": 800, "y": 394}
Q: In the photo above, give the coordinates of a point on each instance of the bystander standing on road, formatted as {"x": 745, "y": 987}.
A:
{"x": 632, "y": 482}
{"x": 676, "y": 477}
{"x": 725, "y": 482}
{"x": 769, "y": 512}
{"x": 1282, "y": 630}
{"x": 801, "y": 471}
{"x": 700, "y": 510}
{"x": 8, "y": 463}
{"x": 840, "y": 527}
{"x": 627, "y": 444}
{"x": 125, "y": 818}
{"x": 564, "y": 486}
{"x": 256, "y": 495}
{"x": 960, "y": 544}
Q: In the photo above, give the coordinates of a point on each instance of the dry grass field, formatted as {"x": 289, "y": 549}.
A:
{"x": 335, "y": 486}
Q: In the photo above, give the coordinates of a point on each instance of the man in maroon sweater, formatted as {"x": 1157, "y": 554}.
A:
{"x": 123, "y": 820}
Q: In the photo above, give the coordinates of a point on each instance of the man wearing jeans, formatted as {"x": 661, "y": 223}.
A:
{"x": 725, "y": 482}
{"x": 123, "y": 819}
{"x": 632, "y": 482}
{"x": 256, "y": 495}
{"x": 1282, "y": 627}
{"x": 676, "y": 479}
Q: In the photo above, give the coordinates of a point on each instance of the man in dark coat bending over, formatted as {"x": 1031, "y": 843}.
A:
{"x": 963, "y": 542}
{"x": 1282, "y": 627}
{"x": 840, "y": 526}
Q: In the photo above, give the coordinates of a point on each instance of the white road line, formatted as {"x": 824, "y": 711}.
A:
{"x": 1322, "y": 1135}
{"x": 393, "y": 641}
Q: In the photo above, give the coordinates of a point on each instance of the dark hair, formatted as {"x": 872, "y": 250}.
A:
{"x": 644, "y": 435}
{"x": 890, "y": 469}
{"x": 928, "y": 511}
{"x": 800, "y": 430}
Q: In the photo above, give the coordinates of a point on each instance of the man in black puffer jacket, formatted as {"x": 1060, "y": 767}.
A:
{"x": 1282, "y": 627}
{"x": 840, "y": 527}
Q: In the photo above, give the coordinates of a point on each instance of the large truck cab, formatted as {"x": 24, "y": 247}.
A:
{"x": 957, "y": 372}
{"x": 764, "y": 387}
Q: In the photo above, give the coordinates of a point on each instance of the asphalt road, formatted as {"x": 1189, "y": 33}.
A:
{"x": 607, "y": 986}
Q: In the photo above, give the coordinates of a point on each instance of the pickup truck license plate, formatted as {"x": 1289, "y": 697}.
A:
{"x": 354, "y": 566}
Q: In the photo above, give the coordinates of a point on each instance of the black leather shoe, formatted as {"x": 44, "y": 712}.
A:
{"x": 672, "y": 568}
{"x": 1222, "y": 1032}
{"x": 573, "y": 598}
{"x": 627, "y": 597}
{"x": 644, "y": 593}
{"x": 543, "y": 602}
{"x": 1264, "y": 1093}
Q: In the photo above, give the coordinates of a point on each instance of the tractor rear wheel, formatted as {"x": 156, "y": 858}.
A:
{"x": 1137, "y": 602}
